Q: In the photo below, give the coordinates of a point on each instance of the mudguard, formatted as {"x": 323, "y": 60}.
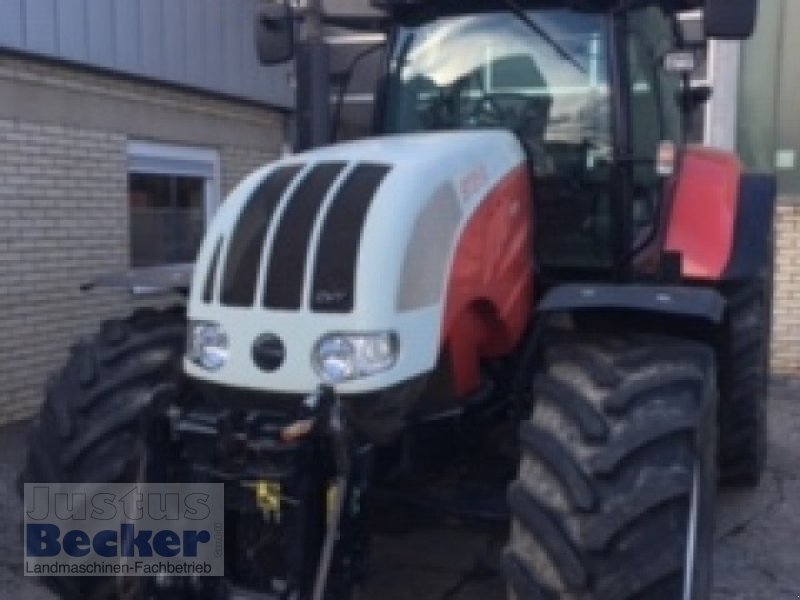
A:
{"x": 422, "y": 235}
{"x": 703, "y": 216}
{"x": 755, "y": 222}
{"x": 721, "y": 219}
{"x": 703, "y": 303}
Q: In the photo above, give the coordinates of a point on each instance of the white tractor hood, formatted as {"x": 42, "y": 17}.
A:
{"x": 357, "y": 237}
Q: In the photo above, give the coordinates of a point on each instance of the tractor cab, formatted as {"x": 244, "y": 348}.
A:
{"x": 597, "y": 94}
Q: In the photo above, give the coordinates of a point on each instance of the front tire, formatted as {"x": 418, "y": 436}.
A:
{"x": 615, "y": 494}
{"x": 95, "y": 421}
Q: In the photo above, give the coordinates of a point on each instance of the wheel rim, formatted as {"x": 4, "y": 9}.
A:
{"x": 691, "y": 537}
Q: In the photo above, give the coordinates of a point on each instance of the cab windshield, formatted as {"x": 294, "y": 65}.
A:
{"x": 550, "y": 87}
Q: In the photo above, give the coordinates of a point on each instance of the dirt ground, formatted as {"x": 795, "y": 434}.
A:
{"x": 757, "y": 554}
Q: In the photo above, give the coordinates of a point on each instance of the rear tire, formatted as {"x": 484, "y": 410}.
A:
{"x": 94, "y": 423}
{"x": 744, "y": 383}
{"x": 615, "y": 494}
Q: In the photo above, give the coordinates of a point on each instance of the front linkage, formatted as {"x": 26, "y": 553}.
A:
{"x": 295, "y": 482}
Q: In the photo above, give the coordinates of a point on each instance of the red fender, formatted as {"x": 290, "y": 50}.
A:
{"x": 701, "y": 226}
{"x": 490, "y": 290}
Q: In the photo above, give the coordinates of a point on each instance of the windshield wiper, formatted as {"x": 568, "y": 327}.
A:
{"x": 520, "y": 13}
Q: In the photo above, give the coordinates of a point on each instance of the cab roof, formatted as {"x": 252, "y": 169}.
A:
{"x": 585, "y": 5}
{"x": 724, "y": 19}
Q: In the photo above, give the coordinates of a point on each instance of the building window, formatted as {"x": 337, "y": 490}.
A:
{"x": 173, "y": 192}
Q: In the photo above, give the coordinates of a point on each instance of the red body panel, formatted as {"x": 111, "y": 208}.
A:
{"x": 703, "y": 218}
{"x": 490, "y": 290}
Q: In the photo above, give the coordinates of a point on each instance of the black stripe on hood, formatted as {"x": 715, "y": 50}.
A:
{"x": 287, "y": 263}
{"x": 335, "y": 271}
{"x": 211, "y": 276}
{"x": 247, "y": 243}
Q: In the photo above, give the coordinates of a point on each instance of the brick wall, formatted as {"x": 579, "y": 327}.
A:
{"x": 237, "y": 163}
{"x": 786, "y": 338}
{"x": 64, "y": 203}
{"x": 62, "y": 220}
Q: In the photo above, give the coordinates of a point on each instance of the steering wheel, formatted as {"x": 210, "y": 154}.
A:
{"x": 488, "y": 111}
{"x": 526, "y": 115}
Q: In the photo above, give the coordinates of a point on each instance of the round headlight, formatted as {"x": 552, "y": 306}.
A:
{"x": 207, "y": 346}
{"x": 376, "y": 352}
{"x": 342, "y": 357}
{"x": 335, "y": 359}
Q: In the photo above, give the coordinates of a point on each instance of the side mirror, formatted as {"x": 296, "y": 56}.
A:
{"x": 275, "y": 34}
{"x": 730, "y": 19}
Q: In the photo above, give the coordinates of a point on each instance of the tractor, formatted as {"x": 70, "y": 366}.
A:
{"x": 526, "y": 283}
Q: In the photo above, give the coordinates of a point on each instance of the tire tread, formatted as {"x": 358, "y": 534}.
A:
{"x": 621, "y": 450}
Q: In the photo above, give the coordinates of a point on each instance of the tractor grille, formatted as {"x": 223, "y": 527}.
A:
{"x": 287, "y": 263}
{"x": 247, "y": 243}
{"x": 340, "y": 221}
{"x": 335, "y": 268}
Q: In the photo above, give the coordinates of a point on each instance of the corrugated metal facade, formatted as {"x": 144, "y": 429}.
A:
{"x": 204, "y": 44}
